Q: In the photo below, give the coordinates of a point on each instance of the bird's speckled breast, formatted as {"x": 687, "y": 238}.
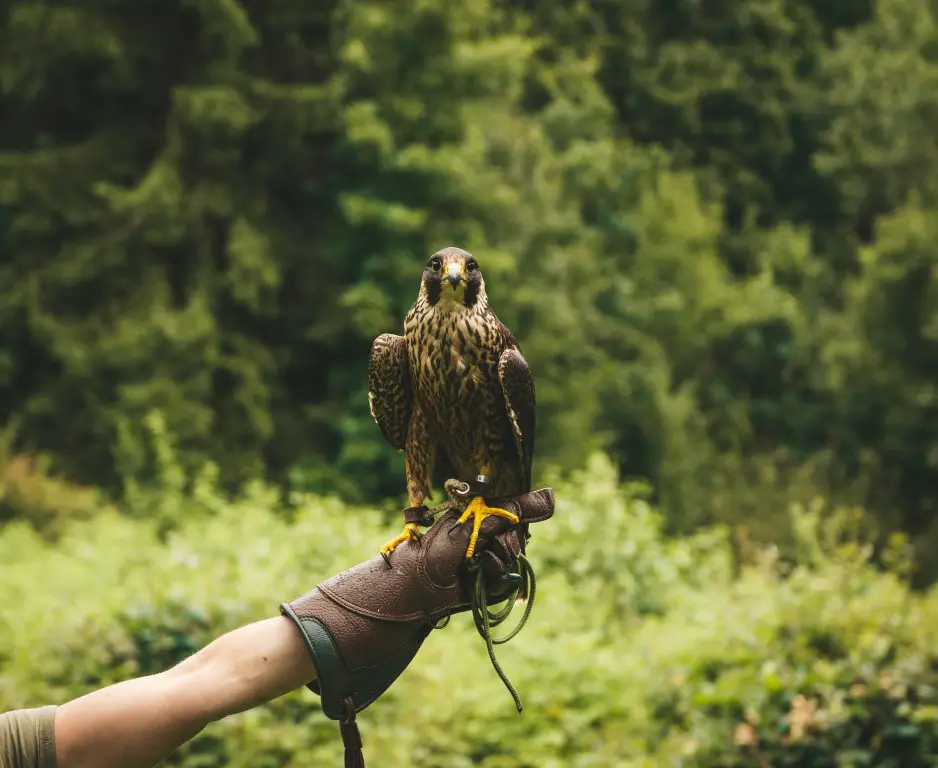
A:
{"x": 453, "y": 356}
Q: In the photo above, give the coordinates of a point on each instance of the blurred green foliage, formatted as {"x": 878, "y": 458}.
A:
{"x": 711, "y": 225}
{"x": 641, "y": 651}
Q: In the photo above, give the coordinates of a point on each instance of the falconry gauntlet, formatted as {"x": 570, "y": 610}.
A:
{"x": 364, "y": 626}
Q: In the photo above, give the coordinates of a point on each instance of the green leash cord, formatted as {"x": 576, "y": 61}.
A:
{"x": 486, "y": 620}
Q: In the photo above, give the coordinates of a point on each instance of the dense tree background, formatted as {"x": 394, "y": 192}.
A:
{"x": 710, "y": 224}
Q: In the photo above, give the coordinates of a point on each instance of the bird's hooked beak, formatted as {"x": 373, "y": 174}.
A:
{"x": 454, "y": 275}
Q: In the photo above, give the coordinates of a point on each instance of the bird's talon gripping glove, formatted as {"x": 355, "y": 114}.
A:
{"x": 364, "y": 626}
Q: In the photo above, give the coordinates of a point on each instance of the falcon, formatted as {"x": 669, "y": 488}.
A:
{"x": 455, "y": 395}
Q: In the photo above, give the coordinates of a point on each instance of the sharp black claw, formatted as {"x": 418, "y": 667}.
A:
{"x": 386, "y": 558}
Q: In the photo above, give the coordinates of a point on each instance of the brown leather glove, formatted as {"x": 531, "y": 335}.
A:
{"x": 365, "y": 625}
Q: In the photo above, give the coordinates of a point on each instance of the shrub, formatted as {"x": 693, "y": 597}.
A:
{"x": 642, "y": 651}
{"x": 28, "y": 492}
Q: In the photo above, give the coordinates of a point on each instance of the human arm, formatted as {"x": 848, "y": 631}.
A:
{"x": 139, "y": 722}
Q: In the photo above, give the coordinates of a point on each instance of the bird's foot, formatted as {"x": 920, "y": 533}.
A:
{"x": 410, "y": 533}
{"x": 479, "y": 510}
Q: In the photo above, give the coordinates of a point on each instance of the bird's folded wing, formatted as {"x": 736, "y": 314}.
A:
{"x": 390, "y": 397}
{"x": 518, "y": 387}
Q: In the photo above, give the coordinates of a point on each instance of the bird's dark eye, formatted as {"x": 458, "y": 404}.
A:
{"x": 436, "y": 265}
{"x": 471, "y": 266}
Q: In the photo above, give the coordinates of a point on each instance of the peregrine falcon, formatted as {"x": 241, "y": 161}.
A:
{"x": 454, "y": 394}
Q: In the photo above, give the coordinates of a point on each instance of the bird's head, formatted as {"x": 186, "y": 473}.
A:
{"x": 452, "y": 278}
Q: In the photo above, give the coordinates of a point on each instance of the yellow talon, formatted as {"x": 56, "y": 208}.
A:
{"x": 480, "y": 510}
{"x": 411, "y": 533}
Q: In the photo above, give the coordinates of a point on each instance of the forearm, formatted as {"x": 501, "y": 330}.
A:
{"x": 249, "y": 666}
{"x": 137, "y": 723}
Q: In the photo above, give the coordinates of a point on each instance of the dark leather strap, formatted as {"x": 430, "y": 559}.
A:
{"x": 351, "y": 736}
{"x": 418, "y": 515}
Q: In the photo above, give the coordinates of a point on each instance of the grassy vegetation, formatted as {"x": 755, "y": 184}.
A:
{"x": 642, "y": 651}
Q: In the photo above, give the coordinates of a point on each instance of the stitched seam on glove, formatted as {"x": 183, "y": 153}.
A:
{"x": 398, "y": 619}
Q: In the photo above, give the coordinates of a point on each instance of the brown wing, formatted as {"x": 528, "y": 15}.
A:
{"x": 518, "y": 387}
{"x": 390, "y": 397}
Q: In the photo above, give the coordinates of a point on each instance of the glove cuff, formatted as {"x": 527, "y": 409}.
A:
{"x": 338, "y": 680}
